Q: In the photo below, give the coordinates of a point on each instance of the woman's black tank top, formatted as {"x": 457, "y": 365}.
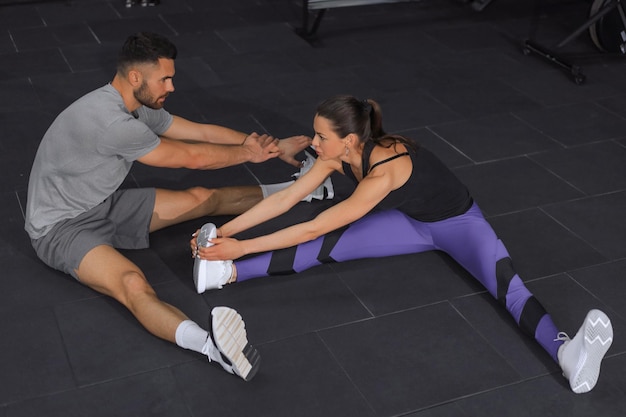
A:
{"x": 431, "y": 193}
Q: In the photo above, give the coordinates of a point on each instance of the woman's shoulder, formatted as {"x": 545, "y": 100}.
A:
{"x": 382, "y": 152}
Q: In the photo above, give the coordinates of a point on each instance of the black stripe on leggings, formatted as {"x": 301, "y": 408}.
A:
{"x": 328, "y": 244}
{"x": 504, "y": 275}
{"x": 282, "y": 261}
{"x": 531, "y": 315}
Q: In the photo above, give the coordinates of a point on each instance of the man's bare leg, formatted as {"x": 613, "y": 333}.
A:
{"x": 107, "y": 271}
{"x": 173, "y": 207}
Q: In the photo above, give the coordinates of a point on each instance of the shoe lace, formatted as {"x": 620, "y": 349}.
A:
{"x": 209, "y": 349}
{"x": 562, "y": 336}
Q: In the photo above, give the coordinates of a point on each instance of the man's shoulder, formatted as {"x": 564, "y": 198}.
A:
{"x": 103, "y": 103}
{"x": 103, "y": 93}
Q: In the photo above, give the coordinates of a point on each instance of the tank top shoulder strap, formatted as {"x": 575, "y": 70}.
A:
{"x": 391, "y": 158}
{"x": 367, "y": 151}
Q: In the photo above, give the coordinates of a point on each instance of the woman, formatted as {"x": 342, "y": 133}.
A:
{"x": 405, "y": 201}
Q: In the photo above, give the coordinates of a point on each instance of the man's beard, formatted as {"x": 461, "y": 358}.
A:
{"x": 142, "y": 95}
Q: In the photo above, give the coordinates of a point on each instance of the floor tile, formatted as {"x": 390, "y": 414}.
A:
{"x": 514, "y": 184}
{"x": 568, "y": 303}
{"x": 104, "y": 320}
{"x": 58, "y": 91}
{"x": 575, "y": 124}
{"x": 499, "y": 329}
{"x": 451, "y": 156}
{"x": 597, "y": 220}
{"x": 472, "y": 37}
{"x": 116, "y": 31}
{"x": 606, "y": 282}
{"x": 153, "y": 393}
{"x": 410, "y": 359}
{"x": 97, "y": 57}
{"x": 415, "y": 109}
{"x": 17, "y": 94}
{"x": 24, "y": 16}
{"x": 25, "y": 128}
{"x": 604, "y": 163}
{"x": 288, "y": 384}
{"x": 615, "y": 104}
{"x": 279, "y": 307}
{"x": 540, "y": 397}
{"x": 7, "y": 45}
{"x": 237, "y": 68}
{"x": 541, "y": 246}
{"x": 31, "y": 368}
{"x": 385, "y": 287}
{"x": 60, "y": 12}
{"x": 482, "y": 98}
{"x": 493, "y": 137}
{"x": 33, "y": 62}
{"x": 52, "y": 37}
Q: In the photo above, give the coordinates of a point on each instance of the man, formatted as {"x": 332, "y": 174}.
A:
{"x": 76, "y": 216}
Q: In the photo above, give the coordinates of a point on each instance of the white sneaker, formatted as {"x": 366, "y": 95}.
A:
{"x": 228, "y": 345}
{"x": 324, "y": 191}
{"x": 580, "y": 357}
{"x": 208, "y": 275}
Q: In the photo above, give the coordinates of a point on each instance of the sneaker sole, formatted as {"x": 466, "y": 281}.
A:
{"x": 229, "y": 336}
{"x": 598, "y": 336}
{"x": 204, "y": 235}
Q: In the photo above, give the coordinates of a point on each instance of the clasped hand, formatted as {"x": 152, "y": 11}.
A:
{"x": 264, "y": 147}
{"x": 222, "y": 248}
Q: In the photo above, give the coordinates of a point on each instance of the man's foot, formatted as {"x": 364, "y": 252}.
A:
{"x": 324, "y": 191}
{"x": 209, "y": 275}
{"x": 580, "y": 357}
{"x": 228, "y": 344}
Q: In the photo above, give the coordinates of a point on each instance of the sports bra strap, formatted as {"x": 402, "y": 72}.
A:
{"x": 391, "y": 158}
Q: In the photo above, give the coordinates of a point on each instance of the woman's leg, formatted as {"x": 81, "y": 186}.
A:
{"x": 380, "y": 234}
{"x": 470, "y": 240}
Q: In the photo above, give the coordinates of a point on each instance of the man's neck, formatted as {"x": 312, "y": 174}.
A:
{"x": 126, "y": 91}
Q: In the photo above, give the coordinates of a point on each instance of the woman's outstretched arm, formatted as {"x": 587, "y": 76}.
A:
{"x": 365, "y": 197}
{"x": 280, "y": 202}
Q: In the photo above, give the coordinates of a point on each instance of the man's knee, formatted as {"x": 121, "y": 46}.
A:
{"x": 204, "y": 196}
{"x": 134, "y": 286}
{"x": 227, "y": 200}
{"x": 201, "y": 193}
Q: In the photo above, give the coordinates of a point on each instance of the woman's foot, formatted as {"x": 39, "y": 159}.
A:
{"x": 580, "y": 357}
{"x": 208, "y": 275}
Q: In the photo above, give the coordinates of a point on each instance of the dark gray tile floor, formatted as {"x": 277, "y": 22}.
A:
{"x": 401, "y": 336}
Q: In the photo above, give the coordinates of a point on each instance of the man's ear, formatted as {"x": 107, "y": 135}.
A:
{"x": 134, "y": 77}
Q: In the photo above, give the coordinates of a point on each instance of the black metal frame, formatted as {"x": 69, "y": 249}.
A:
{"x": 305, "y": 31}
{"x": 308, "y": 32}
{"x": 23, "y": 2}
{"x": 575, "y": 71}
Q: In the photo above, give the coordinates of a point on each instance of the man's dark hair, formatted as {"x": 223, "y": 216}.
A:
{"x": 144, "y": 48}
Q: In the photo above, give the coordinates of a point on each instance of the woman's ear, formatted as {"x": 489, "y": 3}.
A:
{"x": 352, "y": 139}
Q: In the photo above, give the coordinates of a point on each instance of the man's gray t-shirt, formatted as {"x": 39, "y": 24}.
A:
{"x": 85, "y": 156}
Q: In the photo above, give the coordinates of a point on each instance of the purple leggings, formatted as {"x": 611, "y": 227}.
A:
{"x": 468, "y": 239}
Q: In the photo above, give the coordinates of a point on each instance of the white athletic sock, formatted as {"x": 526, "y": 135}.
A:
{"x": 269, "y": 189}
{"x": 191, "y": 336}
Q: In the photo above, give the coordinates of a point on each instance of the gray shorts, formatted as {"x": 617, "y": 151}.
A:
{"x": 121, "y": 221}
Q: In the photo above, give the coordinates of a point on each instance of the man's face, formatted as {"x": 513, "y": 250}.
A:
{"x": 156, "y": 84}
